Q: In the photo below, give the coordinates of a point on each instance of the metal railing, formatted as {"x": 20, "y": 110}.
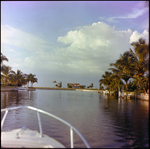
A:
{"x": 40, "y": 126}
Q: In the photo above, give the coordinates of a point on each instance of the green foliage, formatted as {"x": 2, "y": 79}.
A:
{"x": 59, "y": 85}
{"x": 9, "y": 76}
{"x": 69, "y": 86}
{"x": 132, "y": 86}
{"x": 90, "y": 86}
{"x": 132, "y": 64}
{"x": 101, "y": 87}
{"x": 82, "y": 86}
{"x": 105, "y": 80}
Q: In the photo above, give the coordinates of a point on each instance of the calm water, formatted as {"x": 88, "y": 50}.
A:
{"x": 104, "y": 121}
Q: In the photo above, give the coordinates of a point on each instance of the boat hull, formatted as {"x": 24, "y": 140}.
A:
{"x": 27, "y": 138}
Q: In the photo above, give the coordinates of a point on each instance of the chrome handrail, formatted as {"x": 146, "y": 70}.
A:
{"x": 40, "y": 126}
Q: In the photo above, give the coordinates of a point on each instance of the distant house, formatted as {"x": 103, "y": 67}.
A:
{"x": 75, "y": 85}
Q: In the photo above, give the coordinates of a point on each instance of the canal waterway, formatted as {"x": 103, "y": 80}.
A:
{"x": 104, "y": 121}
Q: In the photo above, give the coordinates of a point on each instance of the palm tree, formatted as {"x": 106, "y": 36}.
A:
{"x": 141, "y": 62}
{"x": 91, "y": 85}
{"x": 33, "y": 79}
{"x": 14, "y": 79}
{"x": 123, "y": 67}
{"x": 26, "y": 77}
{"x": 6, "y": 75}
{"x": 54, "y": 83}
{"x": 145, "y": 83}
{"x": 3, "y": 58}
{"x": 115, "y": 82}
{"x": 18, "y": 78}
{"x": 29, "y": 78}
{"x": 118, "y": 71}
{"x": 101, "y": 87}
{"x": 141, "y": 49}
{"x": 105, "y": 79}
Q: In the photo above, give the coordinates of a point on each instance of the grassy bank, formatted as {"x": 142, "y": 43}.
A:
{"x": 54, "y": 88}
{"x": 90, "y": 89}
{"x": 61, "y": 88}
{"x": 5, "y": 87}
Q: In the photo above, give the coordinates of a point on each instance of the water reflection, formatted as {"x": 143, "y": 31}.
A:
{"x": 9, "y": 99}
{"x": 103, "y": 120}
{"x": 130, "y": 121}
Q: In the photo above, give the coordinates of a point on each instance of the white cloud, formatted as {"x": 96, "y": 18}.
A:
{"x": 21, "y": 39}
{"x": 89, "y": 49}
{"x": 86, "y": 51}
{"x": 94, "y": 45}
{"x": 136, "y": 35}
{"x": 134, "y": 14}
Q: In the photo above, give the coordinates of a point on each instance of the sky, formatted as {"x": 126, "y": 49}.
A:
{"x": 69, "y": 41}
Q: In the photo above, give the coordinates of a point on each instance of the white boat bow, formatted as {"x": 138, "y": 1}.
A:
{"x": 24, "y": 137}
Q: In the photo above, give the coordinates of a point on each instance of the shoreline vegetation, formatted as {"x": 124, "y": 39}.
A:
{"x": 54, "y": 88}
{"x": 49, "y": 88}
{"x": 130, "y": 72}
{"x": 127, "y": 94}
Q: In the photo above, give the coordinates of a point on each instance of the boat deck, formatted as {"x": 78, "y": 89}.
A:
{"x": 24, "y": 137}
{"x": 27, "y": 139}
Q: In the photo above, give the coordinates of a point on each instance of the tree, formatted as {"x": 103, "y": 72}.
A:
{"x": 6, "y": 75}
{"x": 132, "y": 64}
{"x": 69, "y": 86}
{"x": 145, "y": 83}
{"x": 141, "y": 62}
{"x": 3, "y": 58}
{"x": 28, "y": 77}
{"x": 132, "y": 85}
{"x": 91, "y": 86}
{"x": 14, "y": 79}
{"x": 59, "y": 85}
{"x": 33, "y": 79}
{"x": 123, "y": 67}
{"x": 18, "y": 78}
{"x": 105, "y": 79}
{"x": 101, "y": 87}
{"x": 115, "y": 82}
{"x": 54, "y": 83}
{"x": 82, "y": 86}
{"x": 141, "y": 49}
